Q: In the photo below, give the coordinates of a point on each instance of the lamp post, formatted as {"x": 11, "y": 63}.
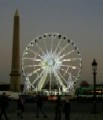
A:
{"x": 94, "y": 68}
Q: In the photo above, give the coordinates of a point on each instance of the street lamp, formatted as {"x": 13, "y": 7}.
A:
{"x": 94, "y": 68}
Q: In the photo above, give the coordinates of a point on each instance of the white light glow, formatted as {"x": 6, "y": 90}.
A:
{"x": 51, "y": 59}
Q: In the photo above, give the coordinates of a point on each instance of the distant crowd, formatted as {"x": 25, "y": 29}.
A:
{"x": 60, "y": 107}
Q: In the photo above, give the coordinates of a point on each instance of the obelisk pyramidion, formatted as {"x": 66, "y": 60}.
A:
{"x": 15, "y": 67}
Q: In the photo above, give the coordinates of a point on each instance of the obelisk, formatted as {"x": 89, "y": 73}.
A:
{"x": 15, "y": 66}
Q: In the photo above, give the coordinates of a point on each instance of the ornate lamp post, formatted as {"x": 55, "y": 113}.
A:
{"x": 94, "y": 68}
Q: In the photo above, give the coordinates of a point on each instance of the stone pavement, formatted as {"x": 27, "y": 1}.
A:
{"x": 51, "y": 117}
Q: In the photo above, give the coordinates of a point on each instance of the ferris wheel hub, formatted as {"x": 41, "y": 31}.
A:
{"x": 50, "y": 62}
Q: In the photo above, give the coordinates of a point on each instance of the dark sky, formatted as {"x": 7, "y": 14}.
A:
{"x": 81, "y": 20}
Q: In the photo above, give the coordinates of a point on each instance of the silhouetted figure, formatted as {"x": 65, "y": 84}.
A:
{"x": 67, "y": 109}
{"x": 58, "y": 108}
{"x": 39, "y": 103}
{"x": 20, "y": 105}
{"x": 4, "y": 102}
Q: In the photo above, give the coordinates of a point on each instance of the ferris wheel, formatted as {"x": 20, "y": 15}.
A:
{"x": 50, "y": 61}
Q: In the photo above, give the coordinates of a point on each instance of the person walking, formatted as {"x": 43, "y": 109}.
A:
{"x": 58, "y": 108}
{"x": 39, "y": 104}
{"x": 20, "y": 105}
{"x": 67, "y": 109}
{"x": 4, "y": 102}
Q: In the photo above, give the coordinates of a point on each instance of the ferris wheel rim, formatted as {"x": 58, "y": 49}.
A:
{"x": 46, "y": 56}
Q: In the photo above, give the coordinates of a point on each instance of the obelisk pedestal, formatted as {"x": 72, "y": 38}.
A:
{"x": 15, "y": 67}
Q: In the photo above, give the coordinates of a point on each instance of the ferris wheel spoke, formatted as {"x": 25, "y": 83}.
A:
{"x": 37, "y": 78}
{"x": 70, "y": 52}
{"x": 33, "y": 52}
{"x": 63, "y": 49}
{"x": 66, "y": 71}
{"x": 39, "y": 60}
{"x": 72, "y": 59}
{"x": 33, "y": 59}
{"x": 31, "y": 73}
{"x": 27, "y": 66}
{"x": 35, "y": 71}
{"x": 38, "y": 65}
{"x": 58, "y": 78}
{"x": 39, "y": 48}
{"x": 52, "y": 43}
{"x": 71, "y": 66}
{"x": 58, "y": 46}
{"x": 45, "y": 45}
{"x": 50, "y": 82}
{"x": 62, "y": 77}
{"x": 31, "y": 66}
{"x": 42, "y": 81}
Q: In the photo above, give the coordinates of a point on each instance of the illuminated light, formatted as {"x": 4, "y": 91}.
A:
{"x": 74, "y": 67}
{"x": 66, "y": 59}
{"x": 51, "y": 62}
{"x": 26, "y": 53}
{"x": 37, "y": 59}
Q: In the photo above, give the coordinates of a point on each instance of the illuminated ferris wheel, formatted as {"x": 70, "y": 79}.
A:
{"x": 51, "y": 61}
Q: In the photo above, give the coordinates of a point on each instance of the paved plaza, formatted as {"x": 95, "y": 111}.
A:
{"x": 80, "y": 111}
{"x": 51, "y": 117}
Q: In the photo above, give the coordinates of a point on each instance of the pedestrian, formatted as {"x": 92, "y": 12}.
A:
{"x": 58, "y": 108}
{"x": 39, "y": 105}
{"x": 67, "y": 109}
{"x": 4, "y": 102}
{"x": 20, "y": 105}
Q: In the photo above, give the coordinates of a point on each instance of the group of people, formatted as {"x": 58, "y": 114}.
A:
{"x": 4, "y": 103}
{"x": 60, "y": 107}
{"x": 64, "y": 107}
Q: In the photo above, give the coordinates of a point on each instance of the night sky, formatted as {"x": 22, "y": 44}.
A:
{"x": 80, "y": 20}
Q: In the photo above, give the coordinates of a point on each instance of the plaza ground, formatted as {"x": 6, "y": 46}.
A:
{"x": 77, "y": 107}
{"x": 81, "y": 110}
{"x": 51, "y": 117}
